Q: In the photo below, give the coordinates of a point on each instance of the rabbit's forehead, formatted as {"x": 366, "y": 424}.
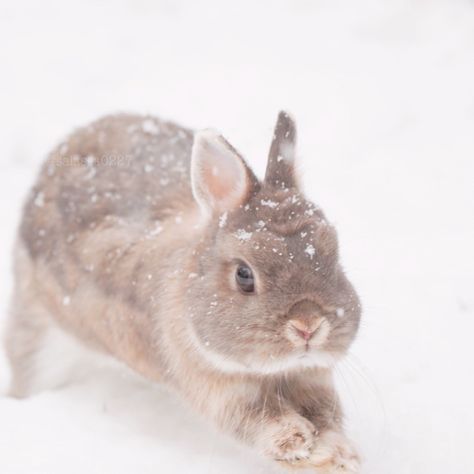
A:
{"x": 284, "y": 227}
{"x": 300, "y": 247}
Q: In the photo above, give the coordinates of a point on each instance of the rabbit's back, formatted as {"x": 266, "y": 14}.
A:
{"x": 122, "y": 170}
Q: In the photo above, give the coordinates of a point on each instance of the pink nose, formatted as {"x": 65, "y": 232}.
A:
{"x": 303, "y": 329}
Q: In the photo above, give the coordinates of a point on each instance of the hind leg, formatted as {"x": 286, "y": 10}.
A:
{"x": 42, "y": 355}
{"x": 27, "y": 325}
{"x": 25, "y": 332}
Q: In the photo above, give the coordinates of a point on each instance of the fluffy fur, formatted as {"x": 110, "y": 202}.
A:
{"x": 129, "y": 245}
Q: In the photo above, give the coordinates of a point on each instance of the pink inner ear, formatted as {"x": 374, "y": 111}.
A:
{"x": 218, "y": 182}
{"x": 220, "y": 179}
{"x": 224, "y": 177}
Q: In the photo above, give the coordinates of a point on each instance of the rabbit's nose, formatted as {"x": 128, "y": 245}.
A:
{"x": 305, "y": 329}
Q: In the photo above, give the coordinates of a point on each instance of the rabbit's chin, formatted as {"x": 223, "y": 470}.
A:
{"x": 294, "y": 362}
{"x": 290, "y": 363}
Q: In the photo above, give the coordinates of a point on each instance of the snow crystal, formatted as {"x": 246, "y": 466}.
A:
{"x": 39, "y": 199}
{"x": 90, "y": 160}
{"x": 148, "y": 168}
{"x": 149, "y": 126}
{"x": 288, "y": 150}
{"x": 157, "y": 229}
{"x": 310, "y": 250}
{"x": 269, "y": 203}
{"x": 223, "y": 220}
{"x": 340, "y": 312}
{"x": 192, "y": 275}
{"x": 243, "y": 235}
{"x": 66, "y": 300}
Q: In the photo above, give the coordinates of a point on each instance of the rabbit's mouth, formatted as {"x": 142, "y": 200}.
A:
{"x": 308, "y": 335}
{"x": 295, "y": 352}
{"x": 302, "y": 357}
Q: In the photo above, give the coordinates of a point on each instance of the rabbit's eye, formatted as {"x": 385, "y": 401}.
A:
{"x": 244, "y": 278}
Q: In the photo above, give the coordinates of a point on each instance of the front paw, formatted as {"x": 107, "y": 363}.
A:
{"x": 334, "y": 453}
{"x": 290, "y": 438}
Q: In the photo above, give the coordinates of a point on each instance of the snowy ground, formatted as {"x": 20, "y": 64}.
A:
{"x": 383, "y": 93}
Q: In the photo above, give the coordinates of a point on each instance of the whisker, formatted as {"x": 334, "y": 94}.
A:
{"x": 349, "y": 391}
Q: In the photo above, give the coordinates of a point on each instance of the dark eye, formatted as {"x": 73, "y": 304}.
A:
{"x": 244, "y": 278}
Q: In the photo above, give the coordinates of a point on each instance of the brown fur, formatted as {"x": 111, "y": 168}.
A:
{"x": 116, "y": 251}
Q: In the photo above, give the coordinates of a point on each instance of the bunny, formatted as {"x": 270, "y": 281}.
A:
{"x": 145, "y": 243}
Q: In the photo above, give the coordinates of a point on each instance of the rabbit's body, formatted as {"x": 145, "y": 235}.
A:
{"x": 123, "y": 254}
{"x": 93, "y": 236}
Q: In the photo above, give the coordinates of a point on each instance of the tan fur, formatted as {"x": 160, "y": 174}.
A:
{"x": 115, "y": 250}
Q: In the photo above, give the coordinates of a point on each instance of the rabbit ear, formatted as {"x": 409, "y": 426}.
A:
{"x": 220, "y": 178}
{"x": 281, "y": 159}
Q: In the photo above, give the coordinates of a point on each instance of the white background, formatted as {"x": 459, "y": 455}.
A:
{"x": 383, "y": 93}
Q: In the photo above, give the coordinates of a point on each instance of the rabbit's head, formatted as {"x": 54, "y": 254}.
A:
{"x": 269, "y": 293}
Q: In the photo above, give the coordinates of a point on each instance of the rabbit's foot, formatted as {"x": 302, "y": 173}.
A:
{"x": 290, "y": 438}
{"x": 333, "y": 453}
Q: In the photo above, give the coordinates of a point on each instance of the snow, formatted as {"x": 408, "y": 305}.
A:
{"x": 310, "y": 250}
{"x": 150, "y": 127}
{"x": 156, "y": 230}
{"x": 383, "y": 98}
{"x": 222, "y": 220}
{"x": 39, "y": 199}
{"x": 243, "y": 235}
{"x": 268, "y": 203}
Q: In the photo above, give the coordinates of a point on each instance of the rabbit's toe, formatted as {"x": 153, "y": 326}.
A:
{"x": 290, "y": 439}
{"x": 334, "y": 453}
